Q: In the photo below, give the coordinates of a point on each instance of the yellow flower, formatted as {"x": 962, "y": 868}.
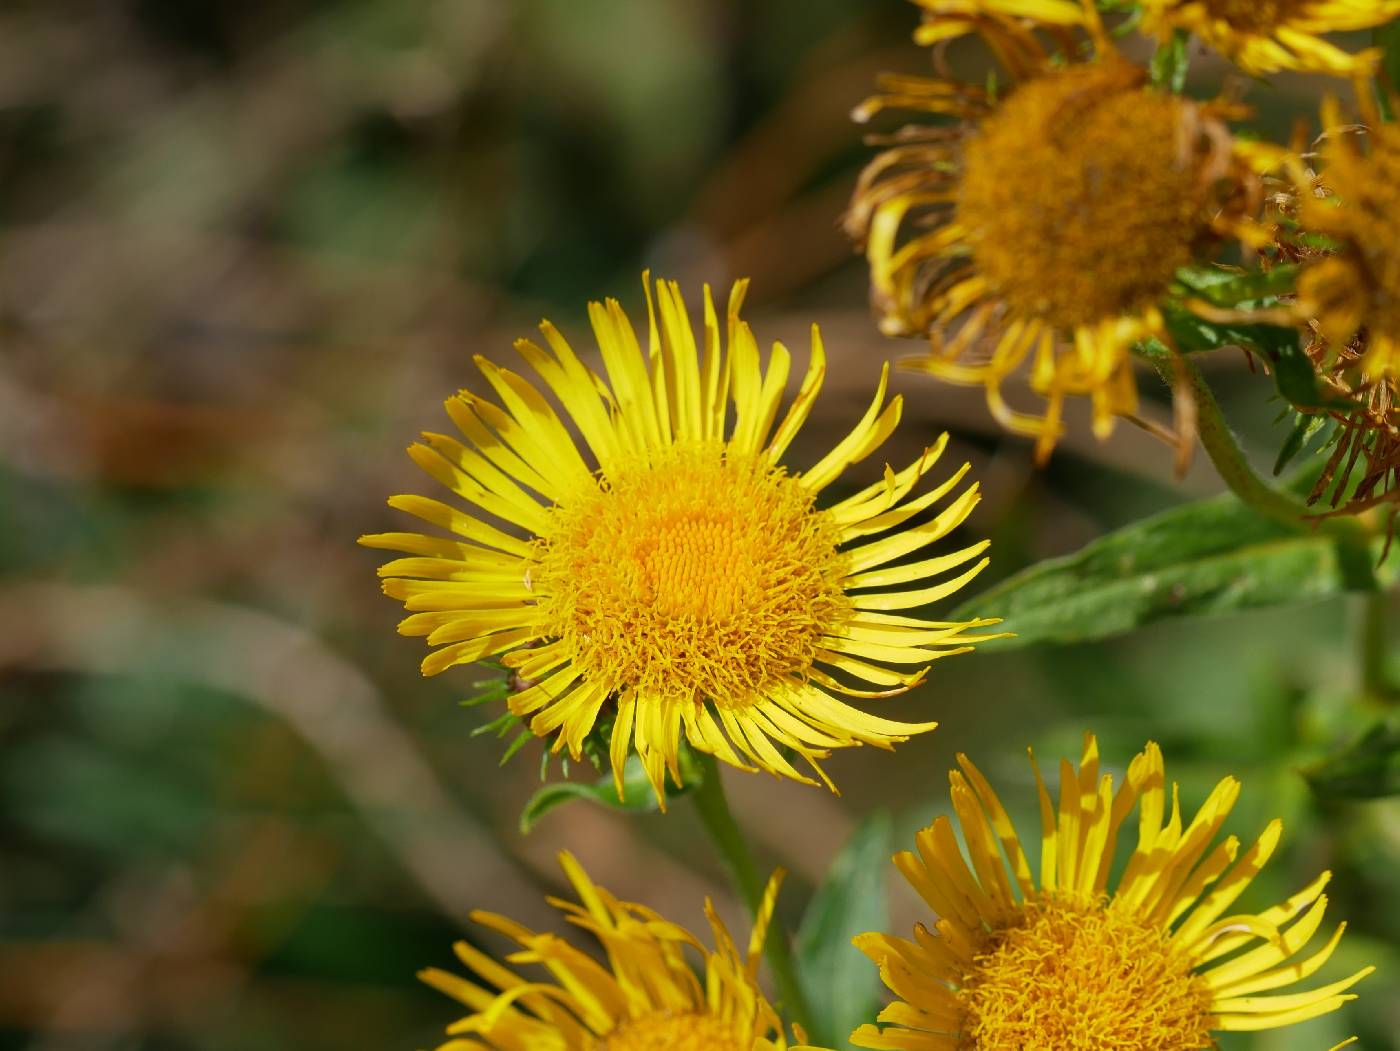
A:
{"x": 1066, "y": 963}
{"x": 1259, "y": 36}
{"x": 647, "y": 998}
{"x": 1355, "y": 202}
{"x": 672, "y": 577}
{"x": 1266, "y": 36}
{"x": 1043, "y": 231}
{"x": 1003, "y": 22}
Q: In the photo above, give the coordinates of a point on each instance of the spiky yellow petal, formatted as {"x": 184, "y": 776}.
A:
{"x": 1267, "y": 36}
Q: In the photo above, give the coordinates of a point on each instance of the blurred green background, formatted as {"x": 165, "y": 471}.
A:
{"x": 247, "y": 249}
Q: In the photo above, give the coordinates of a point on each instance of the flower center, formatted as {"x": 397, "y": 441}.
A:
{"x": 682, "y": 1032}
{"x": 1252, "y": 16}
{"x": 1081, "y": 196}
{"x": 1076, "y": 976}
{"x": 696, "y": 574}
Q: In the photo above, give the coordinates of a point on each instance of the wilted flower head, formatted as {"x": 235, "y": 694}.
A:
{"x": 1338, "y": 219}
{"x": 1352, "y": 200}
{"x": 1366, "y": 418}
{"x": 1040, "y": 234}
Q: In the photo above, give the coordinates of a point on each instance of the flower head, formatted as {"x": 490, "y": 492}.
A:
{"x": 1336, "y": 214}
{"x": 1355, "y": 204}
{"x": 1003, "y": 23}
{"x": 1065, "y": 961}
{"x": 1266, "y": 36}
{"x": 646, "y": 998}
{"x": 1043, "y": 231}
{"x": 668, "y": 577}
{"x": 1362, "y": 469}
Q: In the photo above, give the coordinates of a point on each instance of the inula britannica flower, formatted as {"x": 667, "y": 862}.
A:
{"x": 1338, "y": 218}
{"x": 667, "y": 577}
{"x": 1003, "y": 22}
{"x": 1259, "y": 36}
{"x": 1070, "y": 959}
{"x": 1353, "y": 201}
{"x": 1266, "y": 36}
{"x": 1040, "y": 234}
{"x": 646, "y": 998}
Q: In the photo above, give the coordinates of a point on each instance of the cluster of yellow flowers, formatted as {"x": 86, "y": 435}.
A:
{"x": 1041, "y": 232}
{"x": 1012, "y": 961}
{"x": 631, "y": 545}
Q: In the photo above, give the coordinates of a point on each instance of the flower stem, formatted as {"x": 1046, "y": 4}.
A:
{"x": 715, "y": 815}
{"x": 1234, "y": 468}
{"x": 1227, "y": 456}
{"x": 1229, "y": 460}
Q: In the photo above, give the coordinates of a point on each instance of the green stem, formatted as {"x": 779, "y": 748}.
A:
{"x": 1225, "y": 452}
{"x": 1234, "y": 469}
{"x": 713, "y": 807}
{"x": 1229, "y": 460}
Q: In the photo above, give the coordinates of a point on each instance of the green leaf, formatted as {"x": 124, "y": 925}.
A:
{"x": 1246, "y": 289}
{"x": 638, "y": 798}
{"x": 1293, "y": 370}
{"x": 842, "y": 987}
{"x": 1212, "y": 557}
{"x": 1193, "y": 333}
{"x": 1281, "y": 345}
{"x": 518, "y": 742}
{"x": 1304, "y": 428}
{"x": 1170, "y": 62}
{"x": 494, "y": 688}
{"x": 1369, "y": 768}
{"x": 1294, "y": 373}
{"x": 500, "y": 726}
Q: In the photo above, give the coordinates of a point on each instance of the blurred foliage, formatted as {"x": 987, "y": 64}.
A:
{"x": 249, "y": 247}
{"x": 1368, "y": 768}
{"x": 842, "y": 987}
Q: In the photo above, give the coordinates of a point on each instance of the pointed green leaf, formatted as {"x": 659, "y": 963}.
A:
{"x": 1280, "y": 345}
{"x": 1293, "y": 370}
{"x": 1212, "y": 557}
{"x": 842, "y": 986}
{"x": 1304, "y": 429}
{"x": 1244, "y": 289}
{"x": 1171, "y": 62}
{"x": 638, "y": 798}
